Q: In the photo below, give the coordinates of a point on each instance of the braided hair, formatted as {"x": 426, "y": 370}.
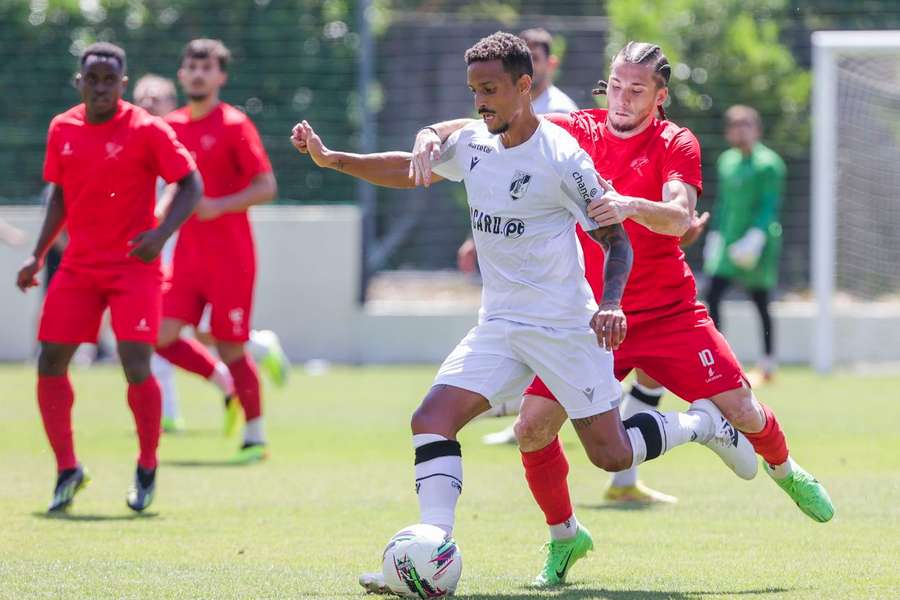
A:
{"x": 643, "y": 53}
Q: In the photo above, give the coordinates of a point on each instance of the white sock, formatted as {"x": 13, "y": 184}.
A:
{"x": 222, "y": 379}
{"x": 165, "y": 374}
{"x": 783, "y": 470}
{"x": 438, "y": 479}
{"x": 254, "y": 432}
{"x": 629, "y": 407}
{"x": 684, "y": 427}
{"x": 638, "y": 446}
{"x": 565, "y": 530}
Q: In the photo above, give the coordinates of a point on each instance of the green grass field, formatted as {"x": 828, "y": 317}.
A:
{"x": 339, "y": 484}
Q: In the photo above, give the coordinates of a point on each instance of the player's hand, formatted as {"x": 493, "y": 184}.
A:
{"x": 307, "y": 141}
{"x": 695, "y": 229}
{"x": 610, "y": 208}
{"x": 610, "y": 325}
{"x": 147, "y": 246}
{"x": 27, "y": 275}
{"x": 426, "y": 150}
{"x": 466, "y": 258}
{"x": 207, "y": 209}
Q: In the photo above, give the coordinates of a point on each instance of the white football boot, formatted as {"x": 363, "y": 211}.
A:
{"x": 730, "y": 444}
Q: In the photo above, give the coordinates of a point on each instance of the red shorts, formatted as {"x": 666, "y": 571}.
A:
{"x": 77, "y": 298}
{"x": 229, "y": 294}
{"x": 685, "y": 353}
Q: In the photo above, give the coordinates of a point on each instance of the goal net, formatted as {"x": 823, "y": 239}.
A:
{"x": 856, "y": 177}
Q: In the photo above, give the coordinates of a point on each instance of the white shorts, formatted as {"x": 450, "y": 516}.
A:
{"x": 499, "y": 358}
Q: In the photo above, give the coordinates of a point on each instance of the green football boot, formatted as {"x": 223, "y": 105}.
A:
{"x": 173, "y": 424}
{"x": 250, "y": 453}
{"x": 68, "y": 483}
{"x": 806, "y": 491}
{"x": 232, "y": 416}
{"x": 273, "y": 360}
{"x": 561, "y": 555}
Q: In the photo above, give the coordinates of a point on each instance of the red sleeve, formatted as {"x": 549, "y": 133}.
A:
{"x": 52, "y": 166}
{"x": 172, "y": 160}
{"x": 251, "y": 154}
{"x": 575, "y": 124}
{"x": 682, "y": 161}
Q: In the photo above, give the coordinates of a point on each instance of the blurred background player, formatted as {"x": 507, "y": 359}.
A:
{"x": 744, "y": 242}
{"x": 215, "y": 258}
{"x": 545, "y": 98}
{"x": 102, "y": 161}
{"x": 158, "y": 97}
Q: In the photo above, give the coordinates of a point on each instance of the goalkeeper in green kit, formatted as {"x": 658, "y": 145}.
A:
{"x": 744, "y": 242}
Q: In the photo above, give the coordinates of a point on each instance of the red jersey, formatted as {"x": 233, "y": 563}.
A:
{"x": 108, "y": 175}
{"x": 661, "y": 282}
{"x": 229, "y": 154}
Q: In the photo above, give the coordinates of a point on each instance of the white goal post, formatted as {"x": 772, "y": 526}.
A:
{"x": 838, "y": 56}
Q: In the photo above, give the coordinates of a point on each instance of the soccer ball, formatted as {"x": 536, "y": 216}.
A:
{"x": 421, "y": 561}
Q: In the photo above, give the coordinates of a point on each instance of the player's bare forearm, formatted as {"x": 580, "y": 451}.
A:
{"x": 54, "y": 220}
{"x": 617, "y": 266}
{"x": 673, "y": 215}
{"x": 445, "y": 129}
{"x": 384, "y": 169}
{"x": 261, "y": 189}
{"x": 188, "y": 191}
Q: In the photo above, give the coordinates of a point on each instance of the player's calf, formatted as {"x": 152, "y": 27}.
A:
{"x": 741, "y": 409}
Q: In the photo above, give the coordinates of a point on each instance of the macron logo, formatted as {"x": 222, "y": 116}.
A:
{"x": 142, "y": 326}
{"x": 67, "y": 149}
{"x": 474, "y": 162}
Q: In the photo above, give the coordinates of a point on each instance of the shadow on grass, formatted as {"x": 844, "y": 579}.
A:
{"x": 601, "y": 594}
{"x": 202, "y": 463}
{"x": 89, "y": 518}
{"x": 621, "y": 506}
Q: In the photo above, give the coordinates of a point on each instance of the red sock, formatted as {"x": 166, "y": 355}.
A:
{"x": 246, "y": 385}
{"x": 145, "y": 400}
{"x": 190, "y": 355}
{"x": 770, "y": 442}
{"x": 55, "y": 399}
{"x": 546, "y": 471}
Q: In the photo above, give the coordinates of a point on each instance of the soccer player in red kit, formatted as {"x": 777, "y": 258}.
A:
{"x": 215, "y": 259}
{"x": 654, "y": 166}
{"x": 102, "y": 160}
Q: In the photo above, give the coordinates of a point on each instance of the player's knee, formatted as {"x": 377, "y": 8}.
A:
{"x": 532, "y": 434}
{"x": 739, "y": 407}
{"x": 52, "y": 361}
{"x": 425, "y": 419}
{"x": 608, "y": 457}
{"x": 137, "y": 369}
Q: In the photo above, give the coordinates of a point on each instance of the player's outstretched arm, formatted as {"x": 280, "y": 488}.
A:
{"x": 427, "y": 149}
{"x": 385, "y": 169}
{"x": 147, "y": 245}
{"x": 54, "y": 220}
{"x": 609, "y": 323}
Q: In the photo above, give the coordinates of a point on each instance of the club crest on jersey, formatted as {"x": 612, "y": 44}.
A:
{"x": 207, "y": 141}
{"x": 519, "y": 185}
{"x": 112, "y": 150}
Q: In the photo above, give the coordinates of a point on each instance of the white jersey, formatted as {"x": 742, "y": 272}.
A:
{"x": 553, "y": 100}
{"x": 524, "y": 202}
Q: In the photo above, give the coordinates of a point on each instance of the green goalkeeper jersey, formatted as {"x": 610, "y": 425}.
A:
{"x": 750, "y": 193}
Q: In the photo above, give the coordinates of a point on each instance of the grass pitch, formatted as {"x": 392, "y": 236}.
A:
{"x": 339, "y": 484}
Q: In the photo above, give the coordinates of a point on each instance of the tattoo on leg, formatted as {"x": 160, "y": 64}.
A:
{"x": 585, "y": 422}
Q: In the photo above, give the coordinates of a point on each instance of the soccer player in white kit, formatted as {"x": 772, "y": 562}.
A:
{"x": 527, "y": 183}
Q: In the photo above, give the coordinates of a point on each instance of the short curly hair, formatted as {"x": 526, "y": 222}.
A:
{"x": 510, "y": 49}
{"x": 105, "y": 50}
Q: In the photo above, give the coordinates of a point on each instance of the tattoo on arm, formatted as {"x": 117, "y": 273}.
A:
{"x": 619, "y": 257}
{"x": 586, "y": 421}
{"x": 340, "y": 165}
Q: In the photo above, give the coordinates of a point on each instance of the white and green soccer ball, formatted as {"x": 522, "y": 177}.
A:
{"x": 421, "y": 561}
